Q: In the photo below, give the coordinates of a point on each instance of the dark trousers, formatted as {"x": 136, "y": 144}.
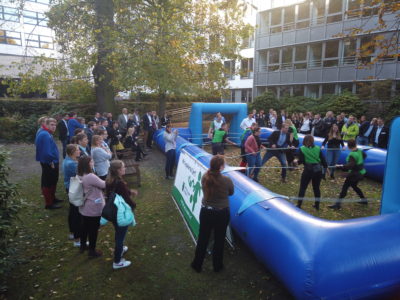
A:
{"x": 211, "y": 220}
{"x": 217, "y": 148}
{"x": 169, "y": 165}
{"x": 120, "y": 233}
{"x": 64, "y": 143}
{"x": 243, "y": 154}
{"x": 149, "y": 141}
{"x": 49, "y": 175}
{"x": 315, "y": 178}
{"x": 49, "y": 182}
{"x": 351, "y": 182}
{"x": 74, "y": 221}
{"x": 90, "y": 229}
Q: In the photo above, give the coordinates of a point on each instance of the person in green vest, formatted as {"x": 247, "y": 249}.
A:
{"x": 350, "y": 130}
{"x": 313, "y": 159}
{"x": 219, "y": 139}
{"x": 356, "y": 172}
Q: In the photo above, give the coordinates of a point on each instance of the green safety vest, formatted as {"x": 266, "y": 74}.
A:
{"x": 295, "y": 136}
{"x": 359, "y": 158}
{"x": 311, "y": 155}
{"x": 218, "y": 136}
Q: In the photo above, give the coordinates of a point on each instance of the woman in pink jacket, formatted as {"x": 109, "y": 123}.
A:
{"x": 252, "y": 147}
{"x": 93, "y": 205}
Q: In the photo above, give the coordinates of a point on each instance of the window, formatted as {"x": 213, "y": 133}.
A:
{"x": 273, "y": 63}
{"x": 334, "y": 11}
{"x": 329, "y": 89}
{"x": 9, "y": 14}
{"x": 246, "y": 68}
{"x": 300, "y": 61}
{"x": 264, "y": 22}
{"x": 315, "y": 55}
{"x": 10, "y": 37}
{"x": 349, "y": 51}
{"x": 287, "y": 55}
{"x": 229, "y": 66}
{"x": 285, "y": 91}
{"x": 353, "y": 9}
{"x": 318, "y": 12}
{"x": 312, "y": 91}
{"x": 289, "y": 14}
{"x": 298, "y": 90}
{"x": 246, "y": 95}
{"x": 34, "y": 18}
{"x": 39, "y": 41}
{"x": 276, "y": 21}
{"x": 367, "y": 49}
{"x": 303, "y": 15}
{"x": 331, "y": 54}
{"x": 347, "y": 86}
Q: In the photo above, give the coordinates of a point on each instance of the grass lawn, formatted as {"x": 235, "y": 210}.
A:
{"x": 160, "y": 249}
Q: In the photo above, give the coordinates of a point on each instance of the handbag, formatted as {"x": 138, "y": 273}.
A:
{"x": 119, "y": 146}
{"x": 110, "y": 210}
{"x": 125, "y": 215}
{"x": 75, "y": 192}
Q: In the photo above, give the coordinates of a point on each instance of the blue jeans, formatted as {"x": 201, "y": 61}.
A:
{"x": 253, "y": 165}
{"x": 120, "y": 233}
{"x": 281, "y": 156}
{"x": 332, "y": 157}
{"x": 169, "y": 165}
{"x": 362, "y": 140}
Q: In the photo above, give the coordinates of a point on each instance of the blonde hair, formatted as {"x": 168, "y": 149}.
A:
{"x": 50, "y": 120}
{"x": 289, "y": 122}
{"x": 95, "y": 139}
{"x": 42, "y": 120}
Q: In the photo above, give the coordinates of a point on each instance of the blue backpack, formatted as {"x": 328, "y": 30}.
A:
{"x": 125, "y": 215}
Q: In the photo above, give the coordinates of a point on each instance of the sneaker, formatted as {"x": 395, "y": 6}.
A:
{"x": 363, "y": 202}
{"x": 122, "y": 264}
{"x": 124, "y": 250}
{"x": 77, "y": 244}
{"x": 171, "y": 177}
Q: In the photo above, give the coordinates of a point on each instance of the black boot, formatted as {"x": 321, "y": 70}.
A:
{"x": 316, "y": 205}
{"x": 363, "y": 201}
{"x": 299, "y": 203}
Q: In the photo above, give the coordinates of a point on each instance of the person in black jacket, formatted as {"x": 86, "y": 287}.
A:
{"x": 148, "y": 128}
{"x": 312, "y": 158}
{"x": 380, "y": 135}
{"x": 318, "y": 126}
{"x": 279, "y": 139}
{"x": 281, "y": 119}
{"x": 131, "y": 142}
{"x": 165, "y": 120}
{"x": 115, "y": 135}
{"x": 63, "y": 133}
{"x": 365, "y": 132}
{"x": 261, "y": 119}
{"x": 89, "y": 131}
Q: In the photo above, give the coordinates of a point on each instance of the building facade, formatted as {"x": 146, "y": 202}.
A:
{"x": 300, "y": 49}
{"x": 23, "y": 35}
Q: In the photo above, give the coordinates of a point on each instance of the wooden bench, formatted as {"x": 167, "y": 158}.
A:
{"x": 132, "y": 168}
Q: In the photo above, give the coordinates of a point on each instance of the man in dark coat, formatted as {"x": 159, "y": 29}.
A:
{"x": 380, "y": 135}
{"x": 63, "y": 133}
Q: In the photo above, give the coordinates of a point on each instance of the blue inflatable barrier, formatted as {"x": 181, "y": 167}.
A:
{"x": 316, "y": 258}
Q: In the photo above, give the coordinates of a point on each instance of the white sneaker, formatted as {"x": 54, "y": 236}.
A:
{"x": 77, "y": 244}
{"x": 124, "y": 249}
{"x": 122, "y": 264}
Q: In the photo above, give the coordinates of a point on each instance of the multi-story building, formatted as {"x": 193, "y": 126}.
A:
{"x": 300, "y": 49}
{"x": 240, "y": 73}
{"x": 23, "y": 35}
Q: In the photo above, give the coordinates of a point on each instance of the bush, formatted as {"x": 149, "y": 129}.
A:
{"x": 79, "y": 91}
{"x": 9, "y": 206}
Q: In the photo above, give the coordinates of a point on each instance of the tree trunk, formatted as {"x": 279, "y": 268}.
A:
{"x": 162, "y": 103}
{"x": 102, "y": 71}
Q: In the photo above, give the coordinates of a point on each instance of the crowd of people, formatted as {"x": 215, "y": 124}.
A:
{"x": 283, "y": 143}
{"x": 90, "y": 151}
